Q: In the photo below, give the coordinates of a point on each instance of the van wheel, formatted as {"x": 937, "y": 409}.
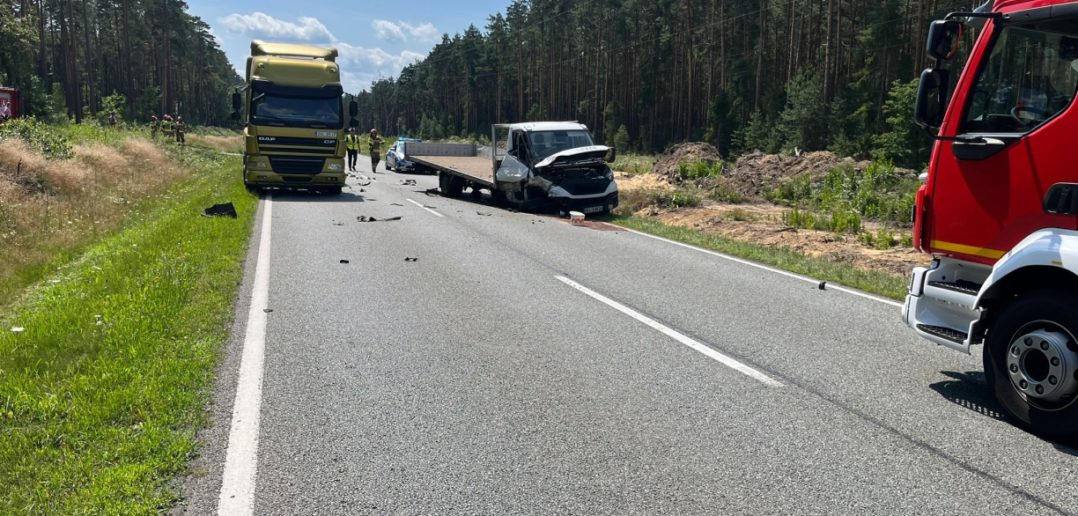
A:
{"x": 1031, "y": 363}
{"x": 450, "y": 185}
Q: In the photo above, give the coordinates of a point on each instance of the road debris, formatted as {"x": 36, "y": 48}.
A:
{"x": 432, "y": 192}
{"x": 408, "y": 182}
{"x": 17, "y": 329}
{"x": 395, "y": 204}
{"x": 344, "y": 262}
{"x": 335, "y": 223}
{"x": 576, "y": 218}
{"x": 822, "y": 285}
{"x": 364, "y": 218}
{"x": 221, "y": 210}
{"x": 410, "y": 259}
{"x": 482, "y": 214}
{"x": 267, "y": 310}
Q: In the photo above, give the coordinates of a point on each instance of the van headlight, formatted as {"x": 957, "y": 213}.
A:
{"x": 334, "y": 167}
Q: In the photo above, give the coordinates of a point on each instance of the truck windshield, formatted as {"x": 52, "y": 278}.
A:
{"x": 272, "y": 108}
{"x": 1029, "y": 77}
{"x": 546, "y": 143}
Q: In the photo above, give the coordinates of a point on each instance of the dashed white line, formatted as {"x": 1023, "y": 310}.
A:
{"x": 241, "y": 462}
{"x": 678, "y": 336}
{"x": 769, "y": 269}
{"x": 425, "y": 208}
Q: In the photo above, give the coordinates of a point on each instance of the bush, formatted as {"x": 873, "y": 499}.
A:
{"x": 37, "y": 136}
{"x": 700, "y": 169}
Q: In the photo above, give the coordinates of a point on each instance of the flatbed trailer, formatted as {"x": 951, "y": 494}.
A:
{"x": 529, "y": 165}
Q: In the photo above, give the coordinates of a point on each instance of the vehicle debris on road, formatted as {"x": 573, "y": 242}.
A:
{"x": 221, "y": 210}
{"x": 364, "y": 218}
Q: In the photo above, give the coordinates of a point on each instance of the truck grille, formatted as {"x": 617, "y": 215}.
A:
{"x": 298, "y": 142}
{"x": 293, "y": 165}
{"x": 585, "y": 186}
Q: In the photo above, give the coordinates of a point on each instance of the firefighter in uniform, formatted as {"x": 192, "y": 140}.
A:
{"x": 375, "y": 147}
{"x": 167, "y": 127}
{"x": 351, "y": 143}
{"x": 155, "y": 125}
{"x": 180, "y": 128}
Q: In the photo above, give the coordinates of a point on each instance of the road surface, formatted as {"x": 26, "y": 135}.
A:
{"x": 469, "y": 359}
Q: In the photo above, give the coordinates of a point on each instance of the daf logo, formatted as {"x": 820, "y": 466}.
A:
{"x": 267, "y": 139}
{"x": 329, "y": 142}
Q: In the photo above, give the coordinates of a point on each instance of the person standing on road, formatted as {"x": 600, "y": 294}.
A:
{"x": 351, "y": 143}
{"x": 375, "y": 147}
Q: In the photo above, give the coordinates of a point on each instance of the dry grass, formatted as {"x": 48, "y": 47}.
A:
{"x": 232, "y": 143}
{"x": 51, "y": 208}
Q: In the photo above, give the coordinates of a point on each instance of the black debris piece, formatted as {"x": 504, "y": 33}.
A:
{"x": 344, "y": 262}
{"x": 364, "y": 218}
{"x": 221, "y": 210}
{"x": 822, "y": 285}
{"x": 432, "y": 191}
{"x": 483, "y": 214}
{"x": 267, "y": 310}
{"x": 395, "y": 204}
{"x": 410, "y": 259}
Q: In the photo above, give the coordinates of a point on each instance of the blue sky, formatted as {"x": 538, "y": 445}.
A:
{"x": 375, "y": 39}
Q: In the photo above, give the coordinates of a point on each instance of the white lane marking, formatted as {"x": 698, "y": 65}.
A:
{"x": 425, "y": 208}
{"x": 830, "y": 286}
{"x": 674, "y": 334}
{"x": 241, "y": 462}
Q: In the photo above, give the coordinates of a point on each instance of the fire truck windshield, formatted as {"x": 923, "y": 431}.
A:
{"x": 1029, "y": 77}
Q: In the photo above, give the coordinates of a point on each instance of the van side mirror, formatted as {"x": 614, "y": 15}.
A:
{"x": 353, "y": 109}
{"x": 931, "y": 98}
{"x": 943, "y": 37}
{"x": 611, "y": 155}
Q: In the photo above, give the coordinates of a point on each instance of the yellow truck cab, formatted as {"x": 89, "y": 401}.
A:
{"x": 293, "y": 114}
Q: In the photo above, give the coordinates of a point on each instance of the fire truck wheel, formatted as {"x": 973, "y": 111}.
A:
{"x": 1031, "y": 363}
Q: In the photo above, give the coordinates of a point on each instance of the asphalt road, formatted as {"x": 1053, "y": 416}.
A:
{"x": 479, "y": 378}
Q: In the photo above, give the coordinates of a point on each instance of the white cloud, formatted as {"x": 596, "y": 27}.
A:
{"x": 401, "y": 31}
{"x": 387, "y": 31}
{"x": 262, "y": 24}
{"x": 361, "y": 66}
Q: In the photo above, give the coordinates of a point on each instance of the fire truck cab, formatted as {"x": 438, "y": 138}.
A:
{"x": 999, "y": 207}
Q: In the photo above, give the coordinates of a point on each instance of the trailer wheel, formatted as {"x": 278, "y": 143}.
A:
{"x": 450, "y": 185}
{"x": 1031, "y": 363}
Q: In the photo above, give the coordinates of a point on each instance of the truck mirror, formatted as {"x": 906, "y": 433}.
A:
{"x": 931, "y": 98}
{"x": 236, "y": 101}
{"x": 943, "y": 38}
{"x": 353, "y": 109}
{"x": 611, "y": 155}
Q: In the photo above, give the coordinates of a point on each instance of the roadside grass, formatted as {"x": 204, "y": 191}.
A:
{"x": 888, "y": 285}
{"x": 633, "y": 164}
{"x": 101, "y": 391}
{"x": 64, "y": 187}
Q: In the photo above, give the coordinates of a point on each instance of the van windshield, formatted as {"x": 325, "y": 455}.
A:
{"x": 547, "y": 143}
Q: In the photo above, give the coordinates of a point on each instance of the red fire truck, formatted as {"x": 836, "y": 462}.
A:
{"x": 10, "y": 104}
{"x": 999, "y": 207}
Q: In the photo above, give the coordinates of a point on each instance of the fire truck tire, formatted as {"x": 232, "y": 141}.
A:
{"x": 1031, "y": 363}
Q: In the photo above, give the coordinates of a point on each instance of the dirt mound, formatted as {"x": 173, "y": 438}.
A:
{"x": 756, "y": 173}
{"x": 669, "y": 163}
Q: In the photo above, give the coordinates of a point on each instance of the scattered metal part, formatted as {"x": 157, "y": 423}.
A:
{"x": 410, "y": 259}
{"x": 344, "y": 261}
{"x": 408, "y": 182}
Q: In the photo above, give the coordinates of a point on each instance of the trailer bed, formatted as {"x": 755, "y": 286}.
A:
{"x": 476, "y": 168}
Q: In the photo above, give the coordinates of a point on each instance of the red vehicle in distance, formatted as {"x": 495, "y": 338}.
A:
{"x": 10, "y": 104}
{"x": 999, "y": 207}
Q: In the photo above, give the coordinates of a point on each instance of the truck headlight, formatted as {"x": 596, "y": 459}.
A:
{"x": 334, "y": 167}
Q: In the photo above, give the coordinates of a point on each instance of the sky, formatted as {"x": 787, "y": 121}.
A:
{"x": 375, "y": 39}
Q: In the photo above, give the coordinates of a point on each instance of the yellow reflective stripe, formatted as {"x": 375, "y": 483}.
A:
{"x": 968, "y": 249}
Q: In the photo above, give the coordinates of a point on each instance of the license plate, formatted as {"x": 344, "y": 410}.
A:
{"x": 593, "y": 209}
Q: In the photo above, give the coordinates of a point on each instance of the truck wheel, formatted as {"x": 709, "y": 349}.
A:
{"x": 449, "y": 185}
{"x": 1031, "y": 363}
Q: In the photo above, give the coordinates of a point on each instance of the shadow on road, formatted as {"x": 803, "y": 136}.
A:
{"x": 968, "y": 390}
{"x": 305, "y": 196}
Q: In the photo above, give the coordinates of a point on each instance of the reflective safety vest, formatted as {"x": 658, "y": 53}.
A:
{"x": 352, "y": 141}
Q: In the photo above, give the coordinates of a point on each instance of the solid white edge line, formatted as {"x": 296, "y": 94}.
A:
{"x": 674, "y": 334}
{"x": 793, "y": 275}
{"x": 241, "y": 462}
{"x": 425, "y": 208}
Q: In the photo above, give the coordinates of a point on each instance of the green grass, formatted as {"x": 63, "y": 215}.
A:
{"x": 887, "y": 285}
{"x": 633, "y": 164}
{"x": 101, "y": 394}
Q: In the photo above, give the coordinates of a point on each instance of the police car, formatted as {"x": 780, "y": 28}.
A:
{"x": 395, "y": 157}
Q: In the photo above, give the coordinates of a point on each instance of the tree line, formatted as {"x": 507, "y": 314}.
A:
{"x": 743, "y": 74}
{"x": 80, "y": 58}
